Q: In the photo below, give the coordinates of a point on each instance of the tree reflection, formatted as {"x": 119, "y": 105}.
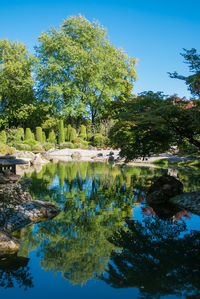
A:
{"x": 158, "y": 257}
{"x": 14, "y": 271}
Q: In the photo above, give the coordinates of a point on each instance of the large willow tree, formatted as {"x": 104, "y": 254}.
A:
{"x": 78, "y": 70}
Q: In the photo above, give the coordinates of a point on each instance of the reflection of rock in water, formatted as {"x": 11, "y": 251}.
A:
{"x": 18, "y": 210}
{"x": 14, "y": 271}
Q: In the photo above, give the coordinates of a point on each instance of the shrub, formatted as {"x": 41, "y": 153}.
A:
{"x": 5, "y": 149}
{"x": 23, "y": 147}
{"x": 38, "y": 134}
{"x": 29, "y": 134}
{"x": 66, "y": 145}
{"x": 3, "y": 137}
{"x": 61, "y": 135}
{"x": 72, "y": 135}
{"x": 48, "y": 146}
{"x": 21, "y": 133}
{"x": 98, "y": 140}
{"x": 43, "y": 137}
{"x": 52, "y": 137}
{"x": 82, "y": 133}
{"x": 67, "y": 137}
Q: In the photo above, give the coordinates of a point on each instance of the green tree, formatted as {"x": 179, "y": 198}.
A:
{"x": 82, "y": 133}
{"x": 29, "y": 134}
{"x": 79, "y": 70}
{"x": 52, "y": 137}
{"x": 16, "y": 82}
{"x": 39, "y": 134}
{"x": 151, "y": 124}
{"x": 3, "y": 137}
{"x": 61, "y": 133}
{"x": 73, "y": 135}
{"x": 192, "y": 58}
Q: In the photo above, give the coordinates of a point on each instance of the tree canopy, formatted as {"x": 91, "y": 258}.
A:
{"x": 192, "y": 58}
{"x": 78, "y": 70}
{"x": 151, "y": 124}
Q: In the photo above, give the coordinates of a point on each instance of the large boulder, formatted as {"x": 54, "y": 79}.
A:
{"x": 8, "y": 243}
{"x": 164, "y": 188}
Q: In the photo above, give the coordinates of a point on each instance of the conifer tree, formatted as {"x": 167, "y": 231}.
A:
{"x": 72, "y": 135}
{"x": 61, "y": 134}
{"x": 39, "y": 134}
{"x": 82, "y": 133}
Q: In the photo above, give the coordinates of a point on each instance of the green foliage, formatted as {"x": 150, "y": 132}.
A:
{"x": 98, "y": 140}
{"x": 47, "y": 146}
{"x": 82, "y": 133}
{"x": 192, "y": 58}
{"x": 5, "y": 149}
{"x": 3, "y": 137}
{"x": 66, "y": 145}
{"x": 92, "y": 76}
{"x": 52, "y": 137}
{"x": 29, "y": 134}
{"x": 21, "y": 133}
{"x": 151, "y": 124}
{"x": 61, "y": 133}
{"x": 43, "y": 137}
{"x": 16, "y": 82}
{"x": 39, "y": 134}
{"x": 72, "y": 135}
{"x": 67, "y": 137}
{"x": 23, "y": 147}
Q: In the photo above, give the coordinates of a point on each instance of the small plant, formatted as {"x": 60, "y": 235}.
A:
{"x": 66, "y": 145}
{"x": 67, "y": 137}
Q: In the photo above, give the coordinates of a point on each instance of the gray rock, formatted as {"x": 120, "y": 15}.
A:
{"x": 8, "y": 243}
{"x": 164, "y": 188}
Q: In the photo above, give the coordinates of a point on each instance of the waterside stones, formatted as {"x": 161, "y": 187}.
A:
{"x": 164, "y": 188}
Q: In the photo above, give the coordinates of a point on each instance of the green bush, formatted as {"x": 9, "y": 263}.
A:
{"x": 3, "y": 137}
{"x": 23, "y": 147}
{"x": 47, "y": 146}
{"x": 52, "y": 137}
{"x": 99, "y": 140}
{"x": 67, "y": 137}
{"x": 82, "y": 133}
{"x": 44, "y": 137}
{"x": 29, "y": 134}
{"x": 5, "y": 149}
{"x": 38, "y": 134}
{"x": 72, "y": 135}
{"x": 66, "y": 145}
{"x": 30, "y": 142}
{"x": 61, "y": 133}
{"x": 21, "y": 133}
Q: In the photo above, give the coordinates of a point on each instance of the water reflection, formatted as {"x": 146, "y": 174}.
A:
{"x": 14, "y": 271}
{"x": 155, "y": 258}
{"x": 96, "y": 236}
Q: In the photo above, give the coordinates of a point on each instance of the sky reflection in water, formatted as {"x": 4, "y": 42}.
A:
{"x": 106, "y": 242}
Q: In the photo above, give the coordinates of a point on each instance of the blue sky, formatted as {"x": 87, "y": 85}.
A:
{"x": 154, "y": 31}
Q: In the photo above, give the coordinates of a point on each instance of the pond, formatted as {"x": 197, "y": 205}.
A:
{"x": 106, "y": 242}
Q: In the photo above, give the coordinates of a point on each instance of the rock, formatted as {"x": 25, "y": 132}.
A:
{"x": 8, "y": 243}
{"x": 188, "y": 200}
{"x": 164, "y": 188}
{"x": 111, "y": 159}
{"x": 76, "y": 155}
{"x": 37, "y": 160}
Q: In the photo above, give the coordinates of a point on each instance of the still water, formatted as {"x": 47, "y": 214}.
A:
{"x": 106, "y": 242}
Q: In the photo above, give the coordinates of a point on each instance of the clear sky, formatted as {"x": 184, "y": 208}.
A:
{"x": 154, "y": 31}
